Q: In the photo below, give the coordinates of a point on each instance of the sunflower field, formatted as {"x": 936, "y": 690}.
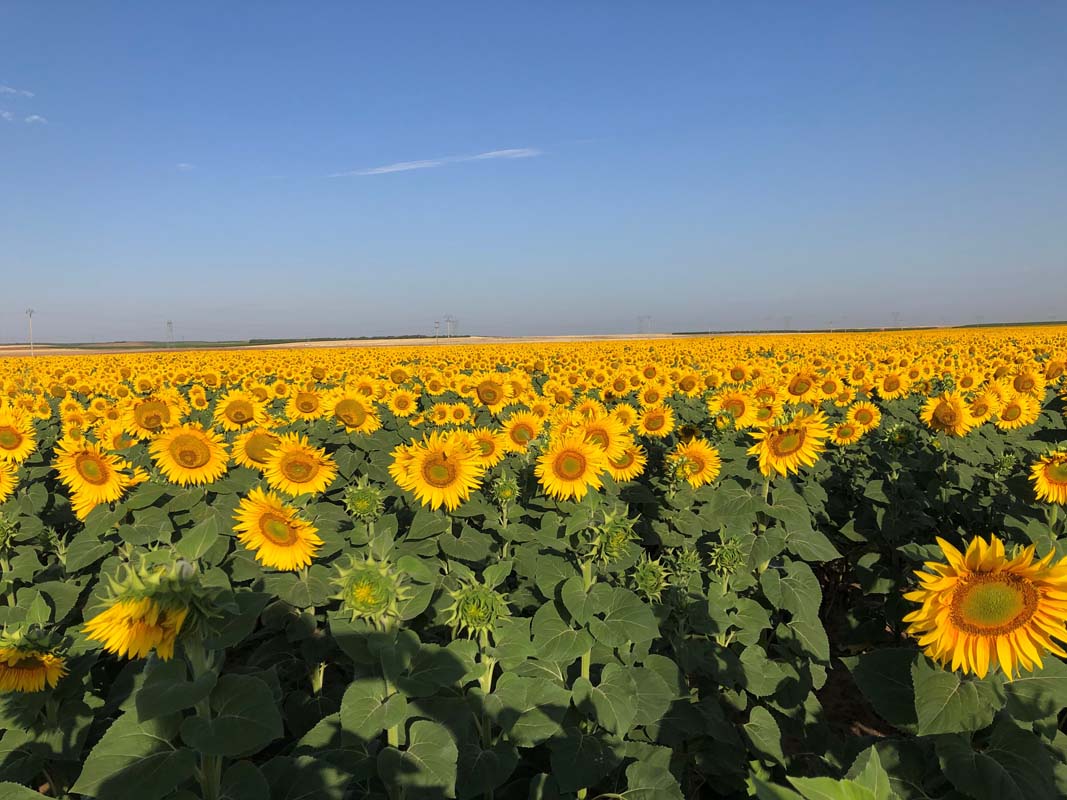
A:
{"x": 781, "y": 567}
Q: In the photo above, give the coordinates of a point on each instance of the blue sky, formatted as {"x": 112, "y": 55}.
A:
{"x": 246, "y": 170}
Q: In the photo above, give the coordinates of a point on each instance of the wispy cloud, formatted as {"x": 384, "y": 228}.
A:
{"x": 405, "y": 166}
{"x": 184, "y": 166}
{"x": 7, "y": 116}
{"x": 4, "y": 89}
{"x": 35, "y": 119}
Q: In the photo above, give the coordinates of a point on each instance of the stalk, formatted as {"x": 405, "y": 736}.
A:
{"x": 210, "y": 772}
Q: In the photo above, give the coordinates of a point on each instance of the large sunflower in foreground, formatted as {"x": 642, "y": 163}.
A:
{"x": 92, "y": 475}
{"x": 18, "y": 439}
{"x": 352, "y": 411}
{"x": 9, "y": 480}
{"x": 982, "y": 608}
{"x": 696, "y": 461}
{"x": 784, "y": 448}
{"x": 570, "y": 467}
{"x": 630, "y": 464}
{"x": 189, "y": 455}
{"x": 1049, "y": 476}
{"x": 274, "y": 532}
{"x": 133, "y": 627}
{"x": 442, "y": 471}
{"x": 237, "y": 411}
{"x": 29, "y": 669}
{"x": 252, "y": 448}
{"x": 295, "y": 467}
{"x": 948, "y": 414}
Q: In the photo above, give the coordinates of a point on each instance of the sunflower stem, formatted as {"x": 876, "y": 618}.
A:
{"x": 588, "y": 579}
{"x": 210, "y": 773}
{"x": 485, "y": 682}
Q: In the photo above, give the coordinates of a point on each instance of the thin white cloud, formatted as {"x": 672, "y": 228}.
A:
{"x": 184, "y": 166}
{"x": 517, "y": 152}
{"x": 7, "y": 116}
{"x": 35, "y": 119}
{"x": 405, "y": 166}
{"x": 12, "y": 90}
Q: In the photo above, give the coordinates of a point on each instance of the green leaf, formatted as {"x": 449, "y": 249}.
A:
{"x": 867, "y": 771}
{"x": 1013, "y": 765}
{"x": 135, "y": 761}
{"x": 199, "y": 539}
{"x": 623, "y": 617}
{"x": 651, "y": 781}
{"x": 554, "y": 639}
{"x": 305, "y": 778}
{"x": 14, "y": 791}
{"x": 528, "y": 710}
{"x": 829, "y": 789}
{"x": 653, "y": 693}
{"x": 884, "y": 677}
{"x": 167, "y": 690}
{"x": 246, "y": 719}
{"x": 1040, "y": 694}
{"x": 580, "y": 759}
{"x": 426, "y": 767}
{"x": 482, "y": 771}
{"x": 946, "y": 702}
{"x": 331, "y": 742}
{"x": 244, "y": 781}
{"x": 764, "y": 734}
{"x": 611, "y": 701}
{"x": 367, "y": 709}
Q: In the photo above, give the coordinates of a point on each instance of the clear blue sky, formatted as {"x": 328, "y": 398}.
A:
{"x": 707, "y": 164}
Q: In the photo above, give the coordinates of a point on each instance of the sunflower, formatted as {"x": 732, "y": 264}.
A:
{"x": 656, "y": 421}
{"x": 864, "y": 415}
{"x": 9, "y": 480}
{"x": 739, "y": 406}
{"x": 403, "y": 402}
{"x": 304, "y": 405}
{"x": 948, "y": 414}
{"x": 354, "y": 412}
{"x": 29, "y": 669}
{"x": 630, "y": 464}
{"x": 439, "y": 471}
{"x": 133, "y": 627}
{"x": 696, "y": 461}
{"x": 490, "y": 446}
{"x": 18, "y": 438}
{"x": 252, "y": 448}
{"x": 189, "y": 455}
{"x": 784, "y": 448}
{"x": 1017, "y": 411}
{"x": 891, "y": 386}
{"x": 521, "y": 429}
{"x": 274, "y": 532}
{"x": 148, "y": 416}
{"x": 236, "y": 411}
{"x": 845, "y": 433}
{"x": 295, "y": 467}
{"x": 983, "y": 406}
{"x": 982, "y": 608}
{"x": 1049, "y": 476}
{"x": 493, "y": 392}
{"x": 93, "y": 476}
{"x": 608, "y": 433}
{"x": 802, "y": 387}
{"x": 570, "y": 466}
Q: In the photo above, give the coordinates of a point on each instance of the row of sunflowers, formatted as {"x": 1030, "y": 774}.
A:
{"x": 669, "y": 568}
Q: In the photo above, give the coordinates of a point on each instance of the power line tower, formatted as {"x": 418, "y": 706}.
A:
{"x": 450, "y": 326}
{"x": 436, "y": 331}
{"x": 644, "y": 323}
{"x": 896, "y": 319}
{"x": 170, "y": 333}
{"x": 29, "y": 315}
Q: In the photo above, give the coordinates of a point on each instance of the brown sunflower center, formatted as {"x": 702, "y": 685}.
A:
{"x": 799, "y": 386}
{"x": 521, "y": 433}
{"x": 735, "y": 407}
{"x": 846, "y": 431}
{"x": 787, "y": 442}
{"x": 655, "y": 421}
{"x": 1056, "y": 472}
{"x": 259, "y": 445}
{"x": 439, "y": 471}
{"x": 569, "y": 465}
{"x": 28, "y": 663}
{"x": 239, "y": 411}
{"x": 488, "y": 392}
{"x": 598, "y": 436}
{"x": 737, "y": 374}
{"x": 277, "y": 529}
{"x": 190, "y": 451}
{"x": 864, "y": 416}
{"x": 891, "y": 384}
{"x": 1023, "y": 383}
{"x": 92, "y": 469}
{"x": 1011, "y": 412}
{"x": 9, "y": 438}
{"x": 994, "y": 603}
{"x": 307, "y": 403}
{"x": 946, "y": 414}
{"x": 624, "y": 461}
{"x": 298, "y": 468}
{"x": 351, "y": 412}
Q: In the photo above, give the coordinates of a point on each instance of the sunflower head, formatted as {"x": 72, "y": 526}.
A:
{"x": 31, "y": 659}
{"x": 476, "y": 609}
{"x": 363, "y": 501}
{"x": 614, "y": 537}
{"x": 981, "y": 608}
{"x": 371, "y": 590}
{"x": 504, "y": 489}
{"x": 727, "y": 557}
{"x": 650, "y": 577}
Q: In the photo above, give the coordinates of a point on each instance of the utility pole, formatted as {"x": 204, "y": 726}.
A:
{"x": 170, "y": 333}
{"x": 29, "y": 314}
{"x": 436, "y": 331}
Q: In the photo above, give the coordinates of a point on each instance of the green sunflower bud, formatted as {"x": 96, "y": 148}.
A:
{"x": 684, "y": 565}
{"x": 727, "y": 557}
{"x": 363, "y": 501}
{"x": 614, "y": 538}
{"x": 476, "y": 609}
{"x": 371, "y": 590}
{"x": 650, "y": 577}
{"x": 504, "y": 490}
